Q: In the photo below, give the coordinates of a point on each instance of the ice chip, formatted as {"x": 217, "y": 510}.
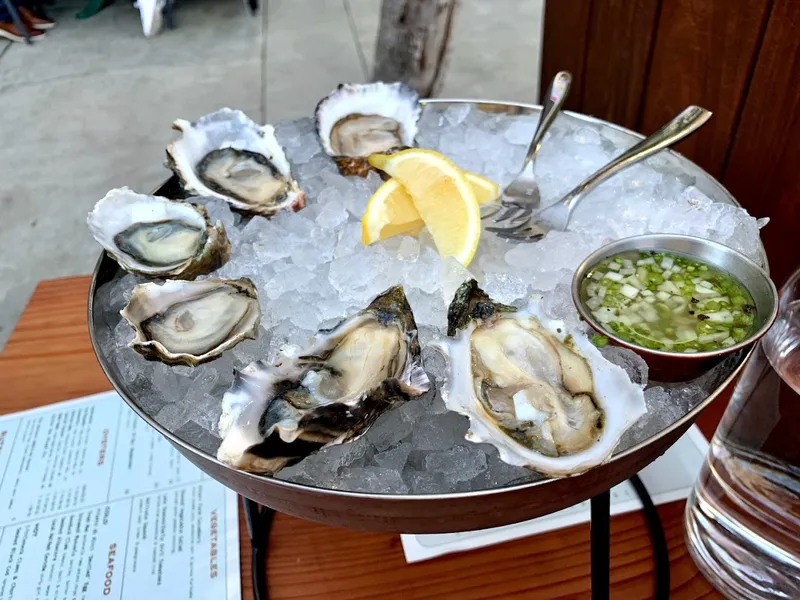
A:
{"x": 123, "y": 333}
{"x": 408, "y": 250}
{"x": 633, "y": 364}
{"x": 394, "y": 459}
{"x": 421, "y": 482}
{"x": 520, "y": 131}
{"x": 440, "y": 432}
{"x": 348, "y": 240}
{"x": 506, "y": 288}
{"x": 376, "y": 480}
{"x": 389, "y": 430}
{"x": 304, "y": 149}
{"x": 198, "y": 436}
{"x": 287, "y": 280}
{"x": 460, "y": 463}
{"x": 456, "y": 113}
{"x": 451, "y": 275}
{"x": 332, "y": 215}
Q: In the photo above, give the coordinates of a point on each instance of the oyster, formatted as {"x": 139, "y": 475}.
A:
{"x": 542, "y": 394}
{"x": 228, "y": 156}
{"x": 157, "y": 237}
{"x": 326, "y": 394}
{"x": 356, "y": 120}
{"x": 191, "y": 322}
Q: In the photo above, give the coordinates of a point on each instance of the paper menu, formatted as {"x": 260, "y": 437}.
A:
{"x": 94, "y": 503}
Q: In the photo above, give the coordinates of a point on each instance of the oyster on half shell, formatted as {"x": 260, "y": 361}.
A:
{"x": 539, "y": 392}
{"x": 328, "y": 393}
{"x": 157, "y": 237}
{"x": 191, "y": 322}
{"x": 228, "y": 156}
{"x": 359, "y": 119}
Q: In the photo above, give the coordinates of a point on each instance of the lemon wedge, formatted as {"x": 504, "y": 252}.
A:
{"x": 441, "y": 194}
{"x": 391, "y": 210}
{"x": 486, "y": 190}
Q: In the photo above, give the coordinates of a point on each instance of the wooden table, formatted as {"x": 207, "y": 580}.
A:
{"x": 49, "y": 358}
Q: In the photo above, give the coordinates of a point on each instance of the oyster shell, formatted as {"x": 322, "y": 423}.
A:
{"x": 191, "y": 322}
{"x": 157, "y": 237}
{"x": 539, "y": 392}
{"x": 226, "y": 155}
{"x": 359, "y": 119}
{"x": 328, "y": 393}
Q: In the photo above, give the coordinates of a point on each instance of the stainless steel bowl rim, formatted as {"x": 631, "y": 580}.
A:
{"x": 410, "y": 498}
{"x": 612, "y": 248}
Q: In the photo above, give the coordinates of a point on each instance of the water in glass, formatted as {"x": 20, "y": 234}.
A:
{"x": 743, "y": 518}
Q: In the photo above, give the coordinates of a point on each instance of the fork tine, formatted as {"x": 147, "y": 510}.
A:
{"x": 525, "y": 235}
{"x": 526, "y": 212}
{"x": 532, "y": 233}
{"x": 533, "y": 237}
{"x": 512, "y": 211}
{"x": 511, "y": 236}
{"x": 511, "y": 228}
{"x": 490, "y": 210}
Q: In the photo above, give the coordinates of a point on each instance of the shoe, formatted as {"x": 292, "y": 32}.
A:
{"x": 9, "y": 31}
{"x": 152, "y": 15}
{"x": 39, "y": 22}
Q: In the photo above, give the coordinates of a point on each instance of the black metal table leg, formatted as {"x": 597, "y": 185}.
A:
{"x": 17, "y": 21}
{"x": 599, "y": 528}
{"x": 656, "y": 529}
{"x": 258, "y": 519}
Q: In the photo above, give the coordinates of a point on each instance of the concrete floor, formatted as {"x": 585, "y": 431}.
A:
{"x": 89, "y": 108}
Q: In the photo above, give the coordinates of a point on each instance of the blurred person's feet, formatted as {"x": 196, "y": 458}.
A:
{"x": 10, "y": 31}
{"x": 152, "y": 15}
{"x": 37, "y": 20}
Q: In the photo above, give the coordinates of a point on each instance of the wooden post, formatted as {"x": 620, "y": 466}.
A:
{"x": 412, "y": 43}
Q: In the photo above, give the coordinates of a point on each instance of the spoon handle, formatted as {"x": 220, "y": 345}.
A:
{"x": 687, "y": 122}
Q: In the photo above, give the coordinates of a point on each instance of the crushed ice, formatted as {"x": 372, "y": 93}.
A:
{"x": 311, "y": 269}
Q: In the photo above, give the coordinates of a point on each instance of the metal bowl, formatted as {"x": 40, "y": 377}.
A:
{"x": 430, "y": 513}
{"x": 676, "y": 366}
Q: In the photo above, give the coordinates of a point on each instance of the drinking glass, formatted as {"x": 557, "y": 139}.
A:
{"x": 743, "y": 517}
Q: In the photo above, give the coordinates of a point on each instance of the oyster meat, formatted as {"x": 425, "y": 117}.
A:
{"x": 191, "y": 322}
{"x": 328, "y": 393}
{"x": 542, "y": 394}
{"x": 157, "y": 237}
{"x": 357, "y": 120}
{"x": 228, "y": 156}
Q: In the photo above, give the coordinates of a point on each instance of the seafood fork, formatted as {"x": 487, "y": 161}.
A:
{"x": 521, "y": 196}
{"x": 556, "y": 216}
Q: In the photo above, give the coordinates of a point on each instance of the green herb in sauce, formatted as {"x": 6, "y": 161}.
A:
{"x": 668, "y": 302}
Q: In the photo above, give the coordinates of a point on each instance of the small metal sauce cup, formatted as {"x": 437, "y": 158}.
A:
{"x": 677, "y": 366}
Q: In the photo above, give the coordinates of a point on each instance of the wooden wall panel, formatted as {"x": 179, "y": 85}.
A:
{"x": 564, "y": 45}
{"x": 763, "y": 171}
{"x": 618, "y": 49}
{"x": 704, "y": 53}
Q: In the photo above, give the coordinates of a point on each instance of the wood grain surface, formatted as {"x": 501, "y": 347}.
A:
{"x": 764, "y": 163}
{"x": 615, "y": 74}
{"x": 49, "y": 358}
{"x": 566, "y": 26}
{"x": 704, "y": 54}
